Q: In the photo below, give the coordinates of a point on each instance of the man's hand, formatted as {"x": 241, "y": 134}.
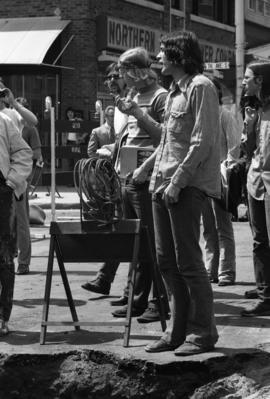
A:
{"x": 251, "y": 116}
{"x": 171, "y": 194}
{"x": 104, "y": 153}
{"x": 140, "y": 175}
{"x": 129, "y": 107}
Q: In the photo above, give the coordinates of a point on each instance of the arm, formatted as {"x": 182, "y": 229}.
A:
{"x": 92, "y": 144}
{"x": 20, "y": 158}
{"x": 34, "y": 143}
{"x": 154, "y": 128}
{"x": 141, "y": 173}
{"x": 25, "y": 113}
{"x": 251, "y": 122}
{"x": 233, "y": 138}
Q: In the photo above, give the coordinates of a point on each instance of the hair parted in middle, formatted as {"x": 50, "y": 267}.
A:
{"x": 182, "y": 47}
{"x": 137, "y": 63}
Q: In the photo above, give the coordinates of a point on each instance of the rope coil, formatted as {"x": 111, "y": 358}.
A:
{"x": 99, "y": 189}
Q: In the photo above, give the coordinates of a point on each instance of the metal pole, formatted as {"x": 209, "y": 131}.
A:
{"x": 185, "y": 15}
{"x": 52, "y": 164}
{"x": 240, "y": 48}
{"x": 170, "y": 16}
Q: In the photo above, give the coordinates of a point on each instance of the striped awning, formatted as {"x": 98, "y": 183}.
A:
{"x": 27, "y": 40}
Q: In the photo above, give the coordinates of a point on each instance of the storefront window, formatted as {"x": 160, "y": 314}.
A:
{"x": 217, "y": 10}
{"x": 206, "y": 8}
{"x": 267, "y": 8}
{"x": 34, "y": 88}
{"x": 252, "y": 4}
{"x": 177, "y": 4}
{"x": 157, "y": 1}
{"x": 261, "y": 6}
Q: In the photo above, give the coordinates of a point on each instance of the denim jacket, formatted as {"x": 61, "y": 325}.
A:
{"x": 15, "y": 156}
{"x": 257, "y": 144}
{"x": 189, "y": 151}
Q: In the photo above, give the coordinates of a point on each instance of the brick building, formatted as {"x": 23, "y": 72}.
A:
{"x": 60, "y": 48}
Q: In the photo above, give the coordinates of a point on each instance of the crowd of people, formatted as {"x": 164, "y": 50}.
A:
{"x": 182, "y": 140}
{"x": 191, "y": 139}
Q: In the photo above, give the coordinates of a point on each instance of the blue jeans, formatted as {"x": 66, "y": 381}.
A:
{"x": 138, "y": 205}
{"x": 179, "y": 256}
{"x": 259, "y": 216}
{"x": 7, "y": 250}
{"x": 219, "y": 241}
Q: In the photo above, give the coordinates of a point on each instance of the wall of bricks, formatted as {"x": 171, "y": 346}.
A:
{"x": 79, "y": 86}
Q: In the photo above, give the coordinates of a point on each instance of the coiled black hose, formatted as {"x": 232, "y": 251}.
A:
{"x": 99, "y": 189}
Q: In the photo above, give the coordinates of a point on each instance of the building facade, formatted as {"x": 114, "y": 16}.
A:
{"x": 90, "y": 34}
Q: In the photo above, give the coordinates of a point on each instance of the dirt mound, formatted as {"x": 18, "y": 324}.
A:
{"x": 98, "y": 375}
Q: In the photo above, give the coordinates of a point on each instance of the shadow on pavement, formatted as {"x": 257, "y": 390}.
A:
{"x": 57, "y": 272}
{"x": 227, "y": 295}
{"x": 33, "y": 302}
{"x": 82, "y": 337}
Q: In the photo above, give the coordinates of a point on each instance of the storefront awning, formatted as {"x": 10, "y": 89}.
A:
{"x": 27, "y": 40}
{"x": 260, "y": 51}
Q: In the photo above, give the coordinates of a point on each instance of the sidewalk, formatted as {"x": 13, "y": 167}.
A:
{"x": 237, "y": 334}
{"x": 65, "y": 198}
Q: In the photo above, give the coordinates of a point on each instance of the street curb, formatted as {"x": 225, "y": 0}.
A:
{"x": 58, "y": 206}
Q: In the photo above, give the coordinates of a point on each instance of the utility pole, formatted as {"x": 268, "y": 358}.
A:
{"x": 185, "y": 15}
{"x": 239, "y": 48}
{"x": 170, "y": 15}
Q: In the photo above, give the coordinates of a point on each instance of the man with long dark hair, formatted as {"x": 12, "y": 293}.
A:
{"x": 186, "y": 171}
{"x": 255, "y": 143}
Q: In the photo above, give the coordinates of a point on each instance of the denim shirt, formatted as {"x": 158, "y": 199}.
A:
{"x": 257, "y": 143}
{"x": 189, "y": 151}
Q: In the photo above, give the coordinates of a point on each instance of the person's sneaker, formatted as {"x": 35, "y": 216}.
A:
{"x": 261, "y": 309}
{"x": 122, "y": 301}
{"x": 189, "y": 349}
{"x": 251, "y": 294}
{"x": 160, "y": 346}
{"x": 4, "y": 330}
{"x": 99, "y": 286}
{"x": 22, "y": 269}
{"x": 122, "y": 312}
{"x": 151, "y": 314}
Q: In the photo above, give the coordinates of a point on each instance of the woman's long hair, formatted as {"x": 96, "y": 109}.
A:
{"x": 261, "y": 68}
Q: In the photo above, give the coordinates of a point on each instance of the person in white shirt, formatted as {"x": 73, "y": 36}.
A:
{"x": 15, "y": 167}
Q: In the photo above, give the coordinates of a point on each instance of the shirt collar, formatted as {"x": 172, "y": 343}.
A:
{"x": 182, "y": 83}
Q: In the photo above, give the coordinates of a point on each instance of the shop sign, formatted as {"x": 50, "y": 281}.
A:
{"x": 122, "y": 35}
{"x": 216, "y": 53}
{"x": 118, "y": 34}
{"x": 217, "y": 65}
